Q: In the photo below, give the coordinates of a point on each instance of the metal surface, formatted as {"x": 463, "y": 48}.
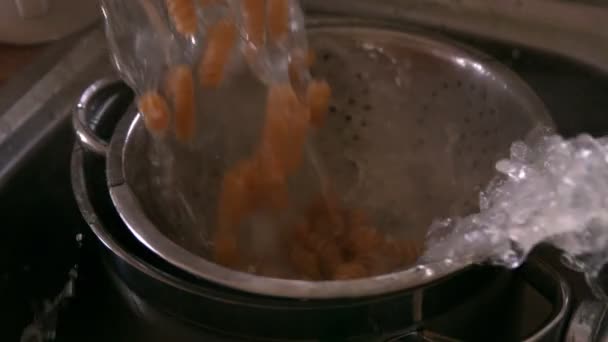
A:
{"x": 43, "y": 95}
{"x": 80, "y": 121}
{"x": 544, "y": 279}
{"x": 548, "y": 282}
{"x": 460, "y": 122}
{"x": 189, "y": 309}
{"x": 589, "y": 323}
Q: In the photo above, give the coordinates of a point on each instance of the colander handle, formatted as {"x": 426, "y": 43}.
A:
{"x": 82, "y": 119}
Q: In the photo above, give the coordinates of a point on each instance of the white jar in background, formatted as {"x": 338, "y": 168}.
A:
{"x": 38, "y": 21}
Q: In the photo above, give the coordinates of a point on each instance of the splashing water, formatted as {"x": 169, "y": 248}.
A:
{"x": 551, "y": 190}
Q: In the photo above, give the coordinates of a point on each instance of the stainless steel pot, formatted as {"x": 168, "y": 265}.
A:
{"x": 155, "y": 288}
{"x": 462, "y": 303}
{"x": 499, "y": 108}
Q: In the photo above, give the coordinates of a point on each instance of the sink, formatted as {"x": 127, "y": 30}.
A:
{"x": 36, "y": 204}
{"x": 43, "y": 227}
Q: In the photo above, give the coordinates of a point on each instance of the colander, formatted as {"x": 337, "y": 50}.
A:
{"x": 414, "y": 129}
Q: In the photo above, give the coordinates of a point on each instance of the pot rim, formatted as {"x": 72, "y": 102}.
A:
{"x": 146, "y": 232}
{"x": 82, "y": 196}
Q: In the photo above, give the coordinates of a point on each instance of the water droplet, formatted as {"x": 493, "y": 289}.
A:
{"x": 425, "y": 270}
{"x": 368, "y": 46}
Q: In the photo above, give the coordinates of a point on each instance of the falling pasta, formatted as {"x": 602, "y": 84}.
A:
{"x": 285, "y": 126}
{"x": 311, "y": 57}
{"x": 343, "y": 246}
{"x": 155, "y": 112}
{"x": 180, "y": 86}
{"x": 305, "y": 263}
{"x": 318, "y": 96}
{"x": 235, "y": 196}
{"x": 269, "y": 183}
{"x": 329, "y": 240}
{"x": 277, "y": 19}
{"x": 226, "y": 249}
{"x": 207, "y": 3}
{"x": 254, "y": 14}
{"x": 183, "y": 16}
{"x": 221, "y": 39}
{"x": 350, "y": 270}
{"x": 328, "y": 251}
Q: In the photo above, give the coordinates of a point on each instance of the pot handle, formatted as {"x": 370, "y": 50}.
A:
{"x": 81, "y": 116}
{"x": 589, "y": 323}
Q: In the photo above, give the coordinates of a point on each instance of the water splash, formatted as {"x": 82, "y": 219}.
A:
{"x": 44, "y": 326}
{"x": 551, "y": 190}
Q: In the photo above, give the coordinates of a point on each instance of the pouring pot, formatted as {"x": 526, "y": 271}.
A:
{"x": 505, "y": 104}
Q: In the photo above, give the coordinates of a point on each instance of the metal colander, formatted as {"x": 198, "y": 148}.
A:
{"x": 414, "y": 129}
{"x": 416, "y": 126}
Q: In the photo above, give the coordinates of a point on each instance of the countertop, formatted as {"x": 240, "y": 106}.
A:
{"x": 14, "y": 58}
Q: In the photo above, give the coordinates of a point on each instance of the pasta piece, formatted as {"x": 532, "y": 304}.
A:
{"x": 225, "y": 249}
{"x": 207, "y": 3}
{"x": 294, "y": 71}
{"x": 234, "y": 204}
{"x": 254, "y": 14}
{"x": 298, "y": 116}
{"x": 269, "y": 180}
{"x": 357, "y": 218}
{"x": 183, "y": 15}
{"x": 300, "y": 232}
{"x": 276, "y": 125}
{"x": 180, "y": 86}
{"x": 329, "y": 254}
{"x": 278, "y": 18}
{"x": 155, "y": 112}
{"x": 321, "y": 205}
{"x": 350, "y": 270}
{"x": 221, "y": 40}
{"x": 326, "y": 216}
{"x": 318, "y": 96}
{"x": 363, "y": 241}
{"x": 311, "y": 57}
{"x": 331, "y": 223}
{"x": 305, "y": 262}
{"x": 327, "y": 251}
{"x": 285, "y": 127}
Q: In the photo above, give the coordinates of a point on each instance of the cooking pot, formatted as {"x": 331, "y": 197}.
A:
{"x": 504, "y": 104}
